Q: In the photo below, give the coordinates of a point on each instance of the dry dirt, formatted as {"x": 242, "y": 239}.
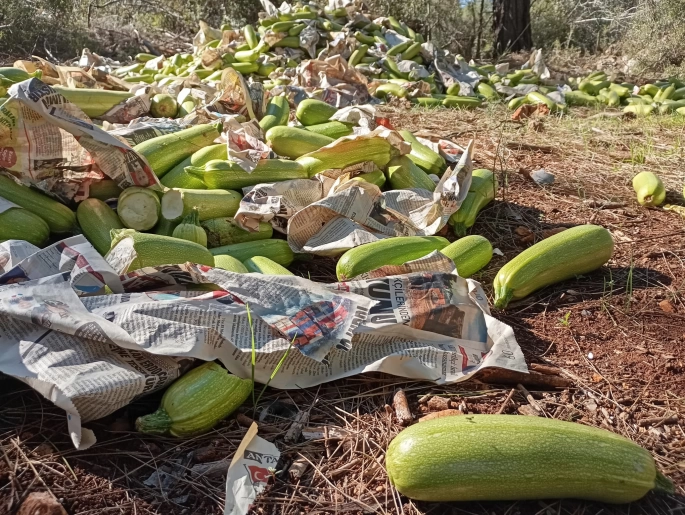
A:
{"x": 615, "y": 336}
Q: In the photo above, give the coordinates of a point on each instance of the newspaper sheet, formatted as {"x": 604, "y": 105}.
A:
{"x": 50, "y": 143}
{"x": 92, "y": 353}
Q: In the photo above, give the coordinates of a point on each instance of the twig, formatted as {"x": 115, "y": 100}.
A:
{"x": 402, "y": 411}
{"x": 658, "y": 421}
{"x": 530, "y": 398}
{"x": 507, "y": 401}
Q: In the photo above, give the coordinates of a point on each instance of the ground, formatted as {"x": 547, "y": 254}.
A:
{"x": 615, "y": 336}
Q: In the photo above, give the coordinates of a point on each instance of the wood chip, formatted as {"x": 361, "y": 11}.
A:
{"x": 658, "y": 421}
{"x": 246, "y": 421}
{"x": 438, "y": 404}
{"x": 319, "y": 432}
{"x": 528, "y": 410}
{"x": 298, "y": 468}
{"x": 603, "y": 204}
{"x": 534, "y": 404}
{"x": 666, "y": 306}
{"x": 402, "y": 411}
{"x": 295, "y": 429}
{"x": 41, "y": 503}
{"x": 440, "y": 414}
{"x": 544, "y": 369}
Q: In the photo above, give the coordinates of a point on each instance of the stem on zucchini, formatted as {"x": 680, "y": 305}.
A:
{"x": 662, "y": 484}
{"x": 157, "y": 423}
{"x": 459, "y": 229}
{"x": 503, "y": 296}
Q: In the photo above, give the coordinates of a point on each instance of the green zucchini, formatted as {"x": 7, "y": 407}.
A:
{"x": 196, "y": 402}
{"x": 573, "y": 252}
{"x": 403, "y": 174}
{"x": 509, "y": 458}
{"x": 164, "y": 152}
{"x": 293, "y": 142}
{"x": 97, "y": 220}
{"x": 59, "y": 217}
{"x": 388, "y": 251}
{"x": 189, "y": 229}
{"x": 376, "y": 177}
{"x": 177, "y": 203}
{"x": 264, "y": 265}
{"x": 228, "y": 175}
{"x": 314, "y": 112}
{"x": 424, "y": 157}
{"x": 105, "y": 189}
{"x": 482, "y": 191}
{"x": 157, "y": 250}
{"x": 177, "y": 177}
{"x": 276, "y": 250}
{"x": 470, "y": 254}
{"x": 230, "y": 264}
{"x": 332, "y": 129}
{"x": 649, "y": 189}
{"x": 277, "y": 113}
{"x": 17, "y": 223}
{"x": 138, "y": 208}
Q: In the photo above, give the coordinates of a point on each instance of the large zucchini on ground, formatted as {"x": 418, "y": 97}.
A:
{"x": 163, "y": 152}
{"x": 389, "y": 251}
{"x": 196, "y": 402}
{"x": 403, "y": 174}
{"x": 228, "y": 175}
{"x": 17, "y": 223}
{"x": 573, "y": 252}
{"x": 349, "y": 152}
{"x": 93, "y": 102}
{"x": 424, "y": 157}
{"x": 649, "y": 189}
{"x": 507, "y": 457}
{"x": 59, "y": 217}
{"x": 313, "y": 112}
{"x": 156, "y": 250}
{"x": 293, "y": 142}
{"x": 97, "y": 220}
{"x": 226, "y": 231}
{"x": 177, "y": 177}
{"x": 469, "y": 254}
{"x": 177, "y": 203}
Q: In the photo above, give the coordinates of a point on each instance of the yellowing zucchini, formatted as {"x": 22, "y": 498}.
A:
{"x": 59, "y": 217}
{"x": 163, "y": 106}
{"x": 177, "y": 203}
{"x": 649, "y": 189}
{"x": 313, "y": 112}
{"x": 156, "y": 250}
{"x": 573, "y": 252}
{"x": 189, "y": 229}
{"x": 177, "y": 177}
{"x": 230, "y": 176}
{"x": 93, "y": 102}
{"x": 163, "y": 152}
{"x": 17, "y": 223}
{"x": 403, "y": 174}
{"x": 482, "y": 191}
{"x": 229, "y": 263}
{"x": 196, "y": 402}
{"x": 138, "y": 208}
{"x": 97, "y": 220}
{"x": 388, "y": 251}
{"x": 264, "y": 265}
{"x": 470, "y": 254}
{"x": 293, "y": 142}
{"x": 276, "y": 250}
{"x": 508, "y": 458}
{"x": 225, "y": 231}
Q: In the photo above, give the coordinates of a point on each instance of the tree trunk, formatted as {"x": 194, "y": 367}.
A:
{"x": 511, "y": 24}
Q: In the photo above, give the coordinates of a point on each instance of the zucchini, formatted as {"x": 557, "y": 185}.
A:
{"x": 276, "y": 250}
{"x": 93, "y": 102}
{"x": 138, "y": 208}
{"x": 347, "y": 152}
{"x": 196, "y": 402}
{"x": 424, "y": 157}
{"x": 462, "y": 102}
{"x": 59, "y": 217}
{"x": 573, "y": 252}
{"x": 165, "y": 227}
{"x": 403, "y": 174}
{"x": 189, "y": 229}
{"x": 163, "y": 152}
{"x": 229, "y": 263}
{"x": 649, "y": 189}
{"x": 388, "y": 251}
{"x": 225, "y": 231}
{"x": 97, "y": 220}
{"x": 177, "y": 203}
{"x": 332, "y": 129}
{"x": 482, "y": 191}
{"x": 17, "y": 223}
{"x": 157, "y": 250}
{"x": 163, "y": 106}
{"x": 639, "y": 110}
{"x": 470, "y": 254}
{"x": 578, "y": 98}
{"x": 314, "y": 112}
{"x": 250, "y": 36}
{"x": 228, "y": 175}
{"x": 277, "y": 113}
{"x": 177, "y": 177}
{"x": 105, "y": 189}
{"x": 390, "y": 88}
{"x": 488, "y": 92}
{"x": 507, "y": 458}
{"x": 293, "y": 143}
{"x": 264, "y": 265}
{"x": 376, "y": 177}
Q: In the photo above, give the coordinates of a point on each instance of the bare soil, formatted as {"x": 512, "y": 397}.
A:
{"x": 616, "y": 336}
